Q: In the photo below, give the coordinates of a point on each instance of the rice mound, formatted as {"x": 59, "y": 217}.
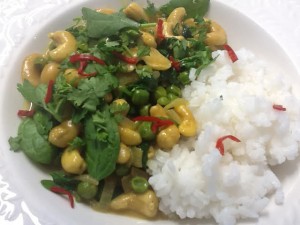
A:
{"x": 194, "y": 180}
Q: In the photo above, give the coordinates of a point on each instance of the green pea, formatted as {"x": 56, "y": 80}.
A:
{"x": 174, "y": 90}
{"x": 86, "y": 190}
{"x": 122, "y": 170}
{"x": 160, "y": 92}
{"x": 139, "y": 184}
{"x": 144, "y": 111}
{"x": 172, "y": 96}
{"x": 163, "y": 101}
{"x": 183, "y": 78}
{"x": 145, "y": 131}
{"x": 140, "y": 97}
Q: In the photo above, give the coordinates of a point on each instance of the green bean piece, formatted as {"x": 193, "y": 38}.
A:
{"x": 86, "y": 190}
{"x": 160, "y": 92}
{"x": 172, "y": 96}
{"x": 139, "y": 184}
{"x": 174, "y": 90}
{"x": 183, "y": 78}
{"x": 163, "y": 101}
{"x": 140, "y": 97}
{"x": 145, "y": 131}
{"x": 144, "y": 110}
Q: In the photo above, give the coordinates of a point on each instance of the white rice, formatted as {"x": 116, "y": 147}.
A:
{"x": 194, "y": 180}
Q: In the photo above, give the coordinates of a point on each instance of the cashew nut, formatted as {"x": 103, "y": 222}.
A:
{"x": 62, "y": 134}
{"x": 145, "y": 204}
{"x": 158, "y": 111}
{"x": 188, "y": 126}
{"x": 148, "y": 39}
{"x": 168, "y": 137}
{"x": 156, "y": 60}
{"x": 136, "y": 12}
{"x": 72, "y": 162}
{"x": 66, "y": 44}
{"x": 174, "y": 19}
{"x": 124, "y": 154}
{"x": 129, "y": 137}
{"x": 30, "y": 71}
{"x": 50, "y": 72}
{"x": 217, "y": 35}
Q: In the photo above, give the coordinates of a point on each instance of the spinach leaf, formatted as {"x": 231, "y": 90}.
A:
{"x": 100, "y": 25}
{"x": 194, "y": 8}
{"x": 102, "y": 143}
{"x": 32, "y": 139}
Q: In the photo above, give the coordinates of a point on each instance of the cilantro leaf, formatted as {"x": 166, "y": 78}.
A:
{"x": 90, "y": 92}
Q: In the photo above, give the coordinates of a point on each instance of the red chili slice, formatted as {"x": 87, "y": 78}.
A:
{"x": 63, "y": 191}
{"x": 175, "y": 64}
{"x": 159, "y": 29}
{"x": 129, "y": 60}
{"x": 85, "y": 57}
{"x": 156, "y": 122}
{"x": 26, "y": 113}
{"x": 49, "y": 92}
{"x": 219, "y": 143}
{"x": 279, "y": 107}
{"x": 231, "y": 53}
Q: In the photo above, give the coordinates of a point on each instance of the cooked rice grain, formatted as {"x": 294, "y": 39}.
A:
{"x": 194, "y": 180}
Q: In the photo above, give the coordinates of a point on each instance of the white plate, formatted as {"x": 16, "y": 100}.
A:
{"x": 269, "y": 28}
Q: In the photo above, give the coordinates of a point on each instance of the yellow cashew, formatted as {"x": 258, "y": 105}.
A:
{"x": 168, "y": 137}
{"x": 158, "y": 111}
{"x": 50, "y": 72}
{"x": 30, "y": 71}
{"x": 72, "y": 77}
{"x": 129, "y": 137}
{"x": 217, "y": 35}
{"x": 63, "y": 134}
{"x": 174, "y": 19}
{"x": 145, "y": 204}
{"x": 148, "y": 39}
{"x": 156, "y": 60}
{"x": 136, "y": 12}
{"x": 124, "y": 154}
{"x": 66, "y": 44}
{"x": 72, "y": 162}
{"x": 188, "y": 126}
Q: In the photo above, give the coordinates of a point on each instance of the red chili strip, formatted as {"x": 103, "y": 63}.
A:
{"x": 63, "y": 191}
{"x": 49, "y": 92}
{"x": 156, "y": 122}
{"x": 26, "y": 113}
{"x": 162, "y": 123}
{"x": 124, "y": 58}
{"x": 175, "y": 64}
{"x": 231, "y": 53}
{"x": 85, "y": 57}
{"x": 159, "y": 29}
{"x": 81, "y": 68}
{"x": 219, "y": 143}
{"x": 279, "y": 107}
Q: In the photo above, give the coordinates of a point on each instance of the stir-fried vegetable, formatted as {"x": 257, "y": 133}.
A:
{"x": 113, "y": 98}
